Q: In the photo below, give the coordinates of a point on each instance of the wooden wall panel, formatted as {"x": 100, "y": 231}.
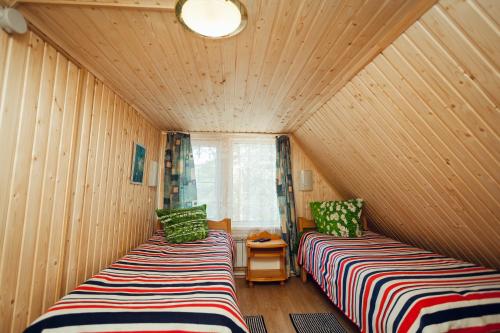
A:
{"x": 322, "y": 189}
{"x": 415, "y": 134}
{"x": 67, "y": 207}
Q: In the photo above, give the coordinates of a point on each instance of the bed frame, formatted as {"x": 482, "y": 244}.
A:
{"x": 308, "y": 224}
{"x": 224, "y": 224}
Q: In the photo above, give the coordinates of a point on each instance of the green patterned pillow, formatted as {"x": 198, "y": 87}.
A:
{"x": 162, "y": 212}
{"x": 338, "y": 218}
{"x": 184, "y": 224}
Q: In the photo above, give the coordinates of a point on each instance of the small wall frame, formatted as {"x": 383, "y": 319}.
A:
{"x": 138, "y": 164}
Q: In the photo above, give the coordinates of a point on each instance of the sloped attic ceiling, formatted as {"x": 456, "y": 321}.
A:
{"x": 290, "y": 59}
{"x": 415, "y": 133}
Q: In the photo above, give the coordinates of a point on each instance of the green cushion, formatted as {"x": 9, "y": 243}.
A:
{"x": 162, "y": 212}
{"x": 184, "y": 224}
{"x": 338, "y": 218}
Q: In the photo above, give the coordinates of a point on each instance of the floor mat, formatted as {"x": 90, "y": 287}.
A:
{"x": 316, "y": 323}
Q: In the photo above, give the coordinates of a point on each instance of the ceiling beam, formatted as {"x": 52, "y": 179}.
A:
{"x": 139, "y": 4}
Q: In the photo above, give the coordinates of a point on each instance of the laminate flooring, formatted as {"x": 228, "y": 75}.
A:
{"x": 276, "y": 302}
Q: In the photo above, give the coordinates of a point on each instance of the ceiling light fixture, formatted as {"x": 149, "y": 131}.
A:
{"x": 212, "y": 18}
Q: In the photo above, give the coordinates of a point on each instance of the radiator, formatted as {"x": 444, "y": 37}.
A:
{"x": 240, "y": 264}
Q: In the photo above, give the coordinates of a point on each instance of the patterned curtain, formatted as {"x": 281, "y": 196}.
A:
{"x": 286, "y": 201}
{"x": 180, "y": 183}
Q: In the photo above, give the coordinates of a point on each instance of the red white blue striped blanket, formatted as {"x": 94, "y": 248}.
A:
{"x": 158, "y": 287}
{"x": 386, "y": 286}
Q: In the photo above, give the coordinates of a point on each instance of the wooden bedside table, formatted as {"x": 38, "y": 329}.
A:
{"x": 266, "y": 261}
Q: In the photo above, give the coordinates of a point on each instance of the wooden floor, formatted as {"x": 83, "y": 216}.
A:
{"x": 276, "y": 302}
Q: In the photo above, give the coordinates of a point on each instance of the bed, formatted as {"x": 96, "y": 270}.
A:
{"x": 383, "y": 285}
{"x": 157, "y": 287}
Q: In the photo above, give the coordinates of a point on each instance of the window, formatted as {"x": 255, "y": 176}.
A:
{"x": 254, "y": 201}
{"x": 206, "y": 173}
{"x": 236, "y": 177}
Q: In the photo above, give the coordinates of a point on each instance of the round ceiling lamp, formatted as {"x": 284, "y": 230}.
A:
{"x": 212, "y": 18}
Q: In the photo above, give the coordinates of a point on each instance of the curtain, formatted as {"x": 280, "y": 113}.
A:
{"x": 180, "y": 183}
{"x": 286, "y": 201}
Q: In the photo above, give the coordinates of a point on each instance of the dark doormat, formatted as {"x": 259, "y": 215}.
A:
{"x": 256, "y": 324}
{"x": 316, "y": 323}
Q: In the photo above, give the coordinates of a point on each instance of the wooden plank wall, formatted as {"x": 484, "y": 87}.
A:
{"x": 322, "y": 189}
{"x": 67, "y": 208}
{"x": 416, "y": 133}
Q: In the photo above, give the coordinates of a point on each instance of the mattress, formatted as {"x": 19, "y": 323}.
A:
{"x": 383, "y": 285}
{"x": 158, "y": 287}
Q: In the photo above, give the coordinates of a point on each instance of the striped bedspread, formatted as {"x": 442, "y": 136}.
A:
{"x": 386, "y": 286}
{"x": 158, "y": 287}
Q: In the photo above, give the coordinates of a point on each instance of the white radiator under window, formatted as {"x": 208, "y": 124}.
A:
{"x": 241, "y": 253}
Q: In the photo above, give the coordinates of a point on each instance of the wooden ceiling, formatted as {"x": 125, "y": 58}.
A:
{"x": 292, "y": 57}
{"x": 416, "y": 133}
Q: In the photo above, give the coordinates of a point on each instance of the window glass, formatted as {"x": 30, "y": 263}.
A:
{"x": 254, "y": 201}
{"x": 206, "y": 165}
{"x": 236, "y": 178}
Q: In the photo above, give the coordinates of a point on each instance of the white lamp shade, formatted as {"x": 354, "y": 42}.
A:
{"x": 306, "y": 180}
{"x": 153, "y": 174}
{"x": 12, "y": 21}
{"x": 212, "y": 18}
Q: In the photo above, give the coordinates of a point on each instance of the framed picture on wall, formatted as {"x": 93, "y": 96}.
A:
{"x": 138, "y": 163}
